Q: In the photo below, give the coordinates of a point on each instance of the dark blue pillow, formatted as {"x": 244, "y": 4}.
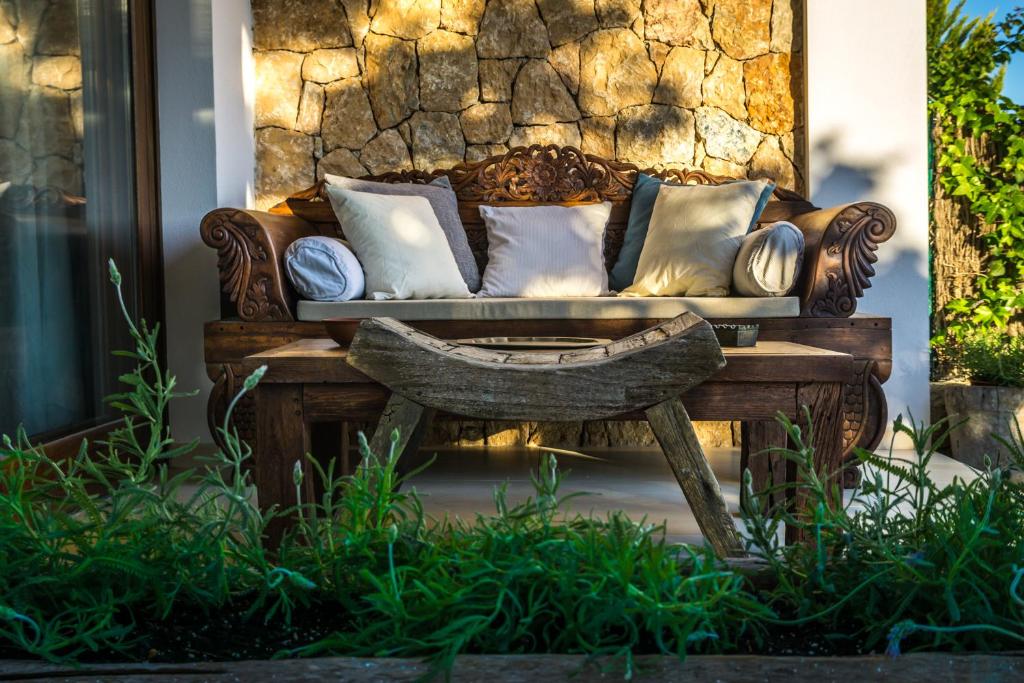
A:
{"x": 641, "y": 206}
{"x": 645, "y": 193}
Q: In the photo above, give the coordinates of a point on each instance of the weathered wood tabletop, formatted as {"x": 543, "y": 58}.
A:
{"x": 313, "y": 381}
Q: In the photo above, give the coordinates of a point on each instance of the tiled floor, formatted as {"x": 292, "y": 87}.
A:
{"x": 461, "y": 482}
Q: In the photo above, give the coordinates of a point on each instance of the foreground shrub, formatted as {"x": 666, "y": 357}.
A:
{"x": 110, "y": 556}
{"x": 903, "y": 558}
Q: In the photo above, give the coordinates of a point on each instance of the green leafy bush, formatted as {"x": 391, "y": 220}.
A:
{"x": 967, "y": 59}
{"x": 985, "y": 357}
{"x": 109, "y": 556}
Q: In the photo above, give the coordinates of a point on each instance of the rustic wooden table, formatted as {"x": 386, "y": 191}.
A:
{"x": 310, "y": 390}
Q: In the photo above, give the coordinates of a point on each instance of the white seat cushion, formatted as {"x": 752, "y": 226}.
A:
{"x": 575, "y": 308}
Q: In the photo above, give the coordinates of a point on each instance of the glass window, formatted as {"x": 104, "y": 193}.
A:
{"x": 67, "y": 204}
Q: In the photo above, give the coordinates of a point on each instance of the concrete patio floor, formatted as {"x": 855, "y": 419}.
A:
{"x": 461, "y": 482}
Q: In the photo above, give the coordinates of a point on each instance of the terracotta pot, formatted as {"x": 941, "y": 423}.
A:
{"x": 990, "y": 412}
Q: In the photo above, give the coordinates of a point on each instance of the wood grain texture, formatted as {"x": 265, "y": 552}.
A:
{"x": 250, "y": 250}
{"x": 708, "y": 401}
{"x": 674, "y": 431}
{"x": 767, "y": 468}
{"x": 840, "y": 252}
{"x": 587, "y": 384}
{"x": 412, "y": 421}
{"x": 282, "y": 439}
{"x": 825, "y": 431}
{"x": 907, "y": 668}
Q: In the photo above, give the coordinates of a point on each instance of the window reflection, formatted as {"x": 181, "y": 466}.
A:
{"x": 66, "y": 205}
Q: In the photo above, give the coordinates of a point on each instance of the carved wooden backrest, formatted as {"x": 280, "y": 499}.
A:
{"x": 529, "y": 176}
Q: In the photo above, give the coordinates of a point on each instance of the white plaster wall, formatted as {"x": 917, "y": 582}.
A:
{"x": 188, "y": 189}
{"x": 204, "y": 90}
{"x": 867, "y": 139}
{"x": 234, "y": 97}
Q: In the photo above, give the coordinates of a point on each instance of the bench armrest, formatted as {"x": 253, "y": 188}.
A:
{"x": 250, "y": 247}
{"x": 839, "y": 253}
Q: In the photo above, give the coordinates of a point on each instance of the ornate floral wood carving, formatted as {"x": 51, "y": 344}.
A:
{"x": 249, "y": 273}
{"x": 544, "y": 173}
{"x": 226, "y": 385}
{"x": 865, "y": 416}
{"x": 845, "y": 260}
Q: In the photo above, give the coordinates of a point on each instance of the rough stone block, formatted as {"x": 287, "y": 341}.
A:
{"x": 615, "y": 72}
{"x": 278, "y": 88}
{"x": 348, "y": 120}
{"x": 448, "y": 71}
{"x": 284, "y": 164}
{"x": 299, "y": 26}
{"x": 539, "y": 96}
{"x": 655, "y": 135}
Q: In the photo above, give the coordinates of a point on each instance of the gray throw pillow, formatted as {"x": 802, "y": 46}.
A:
{"x": 768, "y": 262}
{"x": 446, "y": 207}
{"x": 545, "y": 251}
{"x": 323, "y": 269}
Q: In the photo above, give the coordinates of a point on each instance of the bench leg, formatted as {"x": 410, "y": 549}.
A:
{"x": 282, "y": 438}
{"x": 674, "y": 431}
{"x": 767, "y": 468}
{"x": 825, "y": 401}
{"x": 412, "y": 422}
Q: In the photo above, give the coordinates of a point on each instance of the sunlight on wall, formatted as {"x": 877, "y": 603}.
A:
{"x": 430, "y": 83}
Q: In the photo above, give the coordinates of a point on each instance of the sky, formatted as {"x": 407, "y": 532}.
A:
{"x": 1013, "y": 87}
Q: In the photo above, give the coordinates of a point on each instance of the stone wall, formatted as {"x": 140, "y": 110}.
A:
{"x": 41, "y": 124}
{"x": 354, "y": 87}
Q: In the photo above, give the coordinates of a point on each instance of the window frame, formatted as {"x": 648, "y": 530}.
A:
{"x": 65, "y": 441}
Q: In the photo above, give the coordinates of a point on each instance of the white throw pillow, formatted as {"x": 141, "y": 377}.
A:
{"x": 694, "y": 236}
{"x": 545, "y": 251}
{"x": 400, "y": 244}
{"x": 769, "y": 261}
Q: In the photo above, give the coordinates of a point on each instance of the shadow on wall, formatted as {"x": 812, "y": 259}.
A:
{"x": 844, "y": 180}
{"x": 428, "y": 84}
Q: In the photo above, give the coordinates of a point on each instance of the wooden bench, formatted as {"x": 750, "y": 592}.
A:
{"x": 259, "y": 308}
{"x": 666, "y": 375}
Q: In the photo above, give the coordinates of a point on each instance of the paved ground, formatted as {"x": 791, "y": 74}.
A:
{"x": 640, "y": 482}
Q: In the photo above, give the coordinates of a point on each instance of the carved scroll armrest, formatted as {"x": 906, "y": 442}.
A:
{"x": 839, "y": 256}
{"x": 250, "y": 246}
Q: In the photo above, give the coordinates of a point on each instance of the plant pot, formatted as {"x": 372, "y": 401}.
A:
{"x": 990, "y": 412}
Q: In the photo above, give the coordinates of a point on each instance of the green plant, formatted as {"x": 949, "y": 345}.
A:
{"x": 524, "y": 580}
{"x": 985, "y": 357}
{"x": 904, "y": 562}
{"x": 109, "y": 555}
{"x": 967, "y": 59}
{"x": 92, "y": 546}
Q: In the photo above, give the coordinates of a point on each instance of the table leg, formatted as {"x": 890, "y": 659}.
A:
{"x": 282, "y": 438}
{"x": 675, "y": 434}
{"x": 825, "y": 402}
{"x": 767, "y": 467}
{"x": 412, "y": 421}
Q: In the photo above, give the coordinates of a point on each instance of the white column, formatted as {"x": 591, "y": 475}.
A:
{"x": 867, "y": 139}
{"x": 207, "y": 159}
{"x": 188, "y": 189}
{"x": 234, "y": 97}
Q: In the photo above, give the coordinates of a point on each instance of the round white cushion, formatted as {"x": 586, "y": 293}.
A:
{"x": 768, "y": 262}
{"x": 324, "y": 269}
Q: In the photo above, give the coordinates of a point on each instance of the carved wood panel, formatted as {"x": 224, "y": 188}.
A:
{"x": 539, "y": 174}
